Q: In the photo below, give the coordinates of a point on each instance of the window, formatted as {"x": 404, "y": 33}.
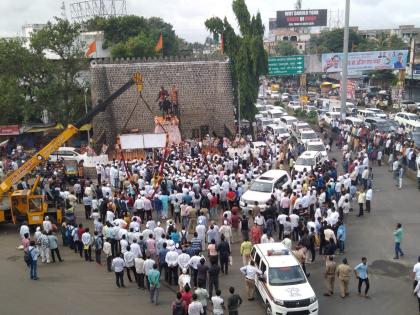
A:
{"x": 261, "y": 187}
{"x": 281, "y": 181}
{"x": 263, "y": 268}
{"x": 257, "y": 259}
{"x": 286, "y": 275}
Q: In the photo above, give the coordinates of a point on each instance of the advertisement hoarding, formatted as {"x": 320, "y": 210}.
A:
{"x": 366, "y": 60}
{"x": 10, "y": 130}
{"x": 297, "y": 18}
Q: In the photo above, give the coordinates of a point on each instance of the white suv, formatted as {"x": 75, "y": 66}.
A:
{"x": 308, "y": 160}
{"x": 283, "y": 286}
{"x": 67, "y": 153}
{"x": 264, "y": 186}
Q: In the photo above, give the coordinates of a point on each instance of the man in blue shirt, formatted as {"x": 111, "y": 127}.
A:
{"x": 341, "y": 236}
{"x": 361, "y": 272}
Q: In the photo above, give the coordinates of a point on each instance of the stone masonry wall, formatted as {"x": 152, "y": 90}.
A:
{"x": 204, "y": 92}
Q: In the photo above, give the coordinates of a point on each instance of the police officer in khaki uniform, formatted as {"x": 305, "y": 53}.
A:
{"x": 330, "y": 269}
{"x": 343, "y": 273}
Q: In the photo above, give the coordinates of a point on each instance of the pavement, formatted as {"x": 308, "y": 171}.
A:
{"x": 79, "y": 287}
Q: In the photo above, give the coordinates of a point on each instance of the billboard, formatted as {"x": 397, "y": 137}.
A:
{"x": 366, "y": 60}
{"x": 296, "y": 18}
{"x": 10, "y": 130}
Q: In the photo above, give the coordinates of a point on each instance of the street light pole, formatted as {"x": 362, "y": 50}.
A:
{"x": 239, "y": 109}
{"x": 343, "y": 83}
{"x": 86, "y": 110}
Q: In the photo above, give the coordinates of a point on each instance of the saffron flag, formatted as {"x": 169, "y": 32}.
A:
{"x": 222, "y": 45}
{"x": 91, "y": 48}
{"x": 159, "y": 44}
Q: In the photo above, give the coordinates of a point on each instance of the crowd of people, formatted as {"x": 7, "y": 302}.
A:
{"x": 181, "y": 228}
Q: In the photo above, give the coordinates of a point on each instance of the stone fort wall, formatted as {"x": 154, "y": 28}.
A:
{"x": 204, "y": 92}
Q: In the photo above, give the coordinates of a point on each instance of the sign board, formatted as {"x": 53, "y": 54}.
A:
{"x": 351, "y": 89}
{"x": 91, "y": 161}
{"x": 10, "y": 130}
{"x": 297, "y": 18}
{"x": 285, "y": 65}
{"x": 143, "y": 141}
{"x": 366, "y": 60}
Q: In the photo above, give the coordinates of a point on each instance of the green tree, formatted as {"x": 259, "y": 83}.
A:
{"x": 136, "y": 36}
{"x": 330, "y": 41}
{"x": 246, "y": 53}
{"x": 63, "y": 96}
{"x": 285, "y": 48}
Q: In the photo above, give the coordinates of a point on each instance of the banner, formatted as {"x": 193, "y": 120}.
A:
{"x": 366, "y": 60}
{"x": 351, "y": 89}
{"x": 10, "y": 130}
{"x": 295, "y": 18}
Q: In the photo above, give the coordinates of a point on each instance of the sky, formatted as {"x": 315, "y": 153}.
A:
{"x": 188, "y": 16}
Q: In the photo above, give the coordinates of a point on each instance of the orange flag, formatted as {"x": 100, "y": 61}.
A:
{"x": 159, "y": 44}
{"x": 91, "y": 48}
{"x": 222, "y": 45}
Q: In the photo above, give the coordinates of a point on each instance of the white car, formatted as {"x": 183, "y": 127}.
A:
{"x": 67, "y": 153}
{"x": 276, "y": 113}
{"x": 275, "y": 95}
{"x": 285, "y": 97}
{"x": 308, "y": 160}
{"x": 306, "y": 135}
{"x": 263, "y": 187}
{"x": 297, "y": 126}
{"x": 329, "y": 117}
{"x": 288, "y": 120}
{"x": 294, "y": 105}
{"x": 317, "y": 145}
{"x": 283, "y": 285}
{"x": 404, "y": 118}
{"x": 262, "y": 123}
{"x": 379, "y": 113}
{"x": 279, "y": 131}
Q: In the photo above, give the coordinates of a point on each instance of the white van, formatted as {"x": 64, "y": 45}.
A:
{"x": 279, "y": 131}
{"x": 263, "y": 187}
{"x": 317, "y": 145}
{"x": 276, "y": 113}
{"x": 308, "y": 160}
{"x": 288, "y": 120}
{"x": 364, "y": 113}
{"x": 283, "y": 286}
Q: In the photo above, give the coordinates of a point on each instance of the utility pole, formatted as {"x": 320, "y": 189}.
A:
{"x": 239, "y": 109}
{"x": 86, "y": 110}
{"x": 343, "y": 83}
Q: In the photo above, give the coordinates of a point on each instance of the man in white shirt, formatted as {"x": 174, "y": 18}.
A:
{"x": 46, "y": 224}
{"x": 118, "y": 266}
{"x": 250, "y": 272}
{"x": 172, "y": 260}
{"x": 294, "y": 220}
{"x": 147, "y": 266}
{"x": 135, "y": 249}
{"x": 281, "y": 219}
{"x": 110, "y": 216}
{"x": 129, "y": 263}
{"x": 87, "y": 245}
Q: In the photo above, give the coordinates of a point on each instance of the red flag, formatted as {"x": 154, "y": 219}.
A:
{"x": 159, "y": 44}
{"x": 91, "y": 48}
{"x": 222, "y": 45}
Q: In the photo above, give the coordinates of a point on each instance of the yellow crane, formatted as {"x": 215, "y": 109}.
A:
{"x": 25, "y": 205}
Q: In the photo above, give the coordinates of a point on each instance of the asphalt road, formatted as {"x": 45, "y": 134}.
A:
{"x": 79, "y": 287}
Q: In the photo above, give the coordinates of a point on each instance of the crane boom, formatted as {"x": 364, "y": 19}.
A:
{"x": 58, "y": 141}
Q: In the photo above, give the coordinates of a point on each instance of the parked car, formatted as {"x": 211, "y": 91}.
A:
{"x": 279, "y": 131}
{"x": 263, "y": 187}
{"x": 330, "y": 116}
{"x": 353, "y": 121}
{"x": 318, "y": 146}
{"x": 375, "y": 123}
{"x": 288, "y": 120}
{"x": 297, "y": 126}
{"x": 306, "y": 135}
{"x": 415, "y": 137}
{"x": 365, "y": 113}
{"x": 262, "y": 123}
{"x": 285, "y": 97}
{"x": 408, "y": 105}
{"x": 308, "y": 160}
{"x": 276, "y": 113}
{"x": 379, "y": 113}
{"x": 67, "y": 153}
{"x": 294, "y": 105}
{"x": 403, "y": 118}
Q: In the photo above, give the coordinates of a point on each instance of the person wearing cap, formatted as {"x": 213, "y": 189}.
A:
{"x": 330, "y": 271}
{"x": 184, "y": 279}
{"x": 172, "y": 261}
